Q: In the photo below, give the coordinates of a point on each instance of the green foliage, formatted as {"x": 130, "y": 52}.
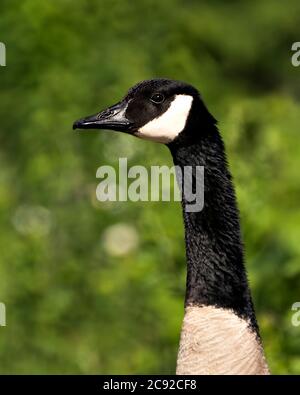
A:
{"x": 74, "y": 303}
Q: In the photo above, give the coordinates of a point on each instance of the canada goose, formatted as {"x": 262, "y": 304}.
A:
{"x": 220, "y": 334}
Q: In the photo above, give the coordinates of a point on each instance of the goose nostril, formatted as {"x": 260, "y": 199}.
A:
{"x": 106, "y": 114}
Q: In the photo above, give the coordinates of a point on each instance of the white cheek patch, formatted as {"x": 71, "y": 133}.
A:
{"x": 166, "y": 127}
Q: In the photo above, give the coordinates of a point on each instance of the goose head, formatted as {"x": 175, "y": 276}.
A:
{"x": 160, "y": 110}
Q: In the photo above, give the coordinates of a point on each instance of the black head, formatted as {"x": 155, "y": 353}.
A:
{"x": 158, "y": 110}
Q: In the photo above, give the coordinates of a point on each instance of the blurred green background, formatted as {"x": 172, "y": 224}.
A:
{"x": 94, "y": 287}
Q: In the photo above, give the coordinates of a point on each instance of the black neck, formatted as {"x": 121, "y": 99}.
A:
{"x": 215, "y": 258}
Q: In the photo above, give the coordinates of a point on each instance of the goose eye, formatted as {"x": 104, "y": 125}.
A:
{"x": 157, "y": 98}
